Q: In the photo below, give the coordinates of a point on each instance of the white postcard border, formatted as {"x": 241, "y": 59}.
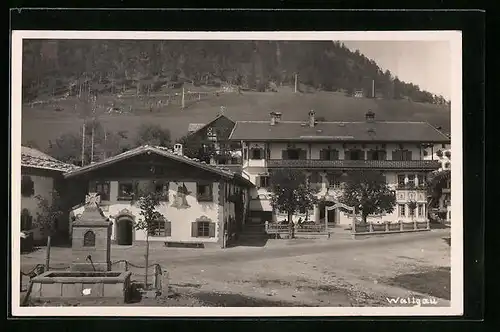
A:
{"x": 456, "y": 303}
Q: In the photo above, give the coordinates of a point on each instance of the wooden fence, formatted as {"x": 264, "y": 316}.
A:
{"x": 273, "y": 228}
{"x": 387, "y": 227}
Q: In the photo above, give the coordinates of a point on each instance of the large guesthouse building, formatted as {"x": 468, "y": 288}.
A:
{"x": 404, "y": 152}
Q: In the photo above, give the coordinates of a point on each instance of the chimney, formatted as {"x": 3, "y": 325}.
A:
{"x": 370, "y": 116}
{"x": 312, "y": 119}
{"x": 178, "y": 149}
{"x": 275, "y": 117}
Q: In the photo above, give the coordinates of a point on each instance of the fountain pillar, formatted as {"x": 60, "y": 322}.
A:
{"x": 91, "y": 242}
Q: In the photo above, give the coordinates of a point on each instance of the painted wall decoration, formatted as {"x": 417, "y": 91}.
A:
{"x": 180, "y": 200}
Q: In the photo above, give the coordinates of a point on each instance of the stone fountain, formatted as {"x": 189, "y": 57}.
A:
{"x": 90, "y": 275}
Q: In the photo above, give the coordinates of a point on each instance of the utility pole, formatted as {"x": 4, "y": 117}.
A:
{"x": 295, "y": 83}
{"x": 183, "y": 100}
{"x": 373, "y": 88}
{"x": 94, "y": 99}
{"x": 105, "y": 143}
{"x": 83, "y": 143}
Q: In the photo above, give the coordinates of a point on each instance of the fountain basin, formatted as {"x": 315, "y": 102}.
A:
{"x": 57, "y": 285}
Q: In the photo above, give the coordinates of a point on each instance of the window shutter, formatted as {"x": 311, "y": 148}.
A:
{"x": 408, "y": 155}
{"x": 369, "y": 155}
{"x": 284, "y": 154}
{"x": 211, "y": 229}
{"x": 396, "y": 155}
{"x": 383, "y": 155}
{"x": 257, "y": 181}
{"x": 194, "y": 229}
{"x": 347, "y": 155}
{"x": 322, "y": 154}
{"x": 302, "y": 154}
{"x": 334, "y": 155}
{"x": 168, "y": 228}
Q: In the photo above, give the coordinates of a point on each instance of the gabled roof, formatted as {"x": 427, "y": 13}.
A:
{"x": 382, "y": 131}
{"x": 165, "y": 152}
{"x": 36, "y": 159}
{"x": 201, "y": 125}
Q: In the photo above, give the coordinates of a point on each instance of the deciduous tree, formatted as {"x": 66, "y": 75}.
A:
{"x": 368, "y": 193}
{"x": 148, "y": 203}
{"x": 152, "y": 134}
{"x": 290, "y": 192}
{"x": 50, "y": 212}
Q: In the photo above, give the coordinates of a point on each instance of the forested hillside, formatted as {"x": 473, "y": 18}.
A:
{"x": 61, "y": 67}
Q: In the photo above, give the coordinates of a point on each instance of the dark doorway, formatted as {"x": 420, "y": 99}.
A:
{"x": 332, "y": 214}
{"x": 124, "y": 231}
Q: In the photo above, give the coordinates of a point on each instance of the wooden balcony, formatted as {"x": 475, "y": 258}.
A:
{"x": 355, "y": 164}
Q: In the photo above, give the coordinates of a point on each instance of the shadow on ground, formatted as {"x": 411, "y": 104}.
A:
{"x": 447, "y": 240}
{"x": 437, "y": 225}
{"x": 435, "y": 282}
{"x": 257, "y": 242}
{"x": 239, "y": 300}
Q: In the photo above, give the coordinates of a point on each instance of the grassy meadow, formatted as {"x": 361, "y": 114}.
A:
{"x": 44, "y": 121}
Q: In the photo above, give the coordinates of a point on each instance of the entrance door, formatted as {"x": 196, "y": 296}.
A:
{"x": 331, "y": 213}
{"x": 124, "y": 232}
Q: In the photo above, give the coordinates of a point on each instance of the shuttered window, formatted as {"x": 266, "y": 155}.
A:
{"x": 324, "y": 155}
{"x": 160, "y": 228}
{"x": 161, "y": 189}
{"x": 26, "y": 220}
{"x": 401, "y": 155}
{"x": 355, "y": 155}
{"x": 256, "y": 154}
{"x": 204, "y": 192}
{"x": 100, "y": 187}
{"x": 126, "y": 190}
{"x": 27, "y": 186}
{"x": 302, "y": 154}
{"x": 203, "y": 229}
{"x": 329, "y": 154}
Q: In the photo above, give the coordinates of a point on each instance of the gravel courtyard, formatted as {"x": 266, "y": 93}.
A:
{"x": 334, "y": 272}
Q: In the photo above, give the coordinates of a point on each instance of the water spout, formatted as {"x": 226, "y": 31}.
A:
{"x": 89, "y": 258}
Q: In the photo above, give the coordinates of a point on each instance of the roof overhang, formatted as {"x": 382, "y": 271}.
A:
{"x": 147, "y": 149}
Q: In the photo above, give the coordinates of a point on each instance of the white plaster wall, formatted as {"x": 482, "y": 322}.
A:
{"x": 180, "y": 219}
{"x": 43, "y": 187}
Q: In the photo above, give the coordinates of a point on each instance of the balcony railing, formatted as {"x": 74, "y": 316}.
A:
{"x": 355, "y": 164}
